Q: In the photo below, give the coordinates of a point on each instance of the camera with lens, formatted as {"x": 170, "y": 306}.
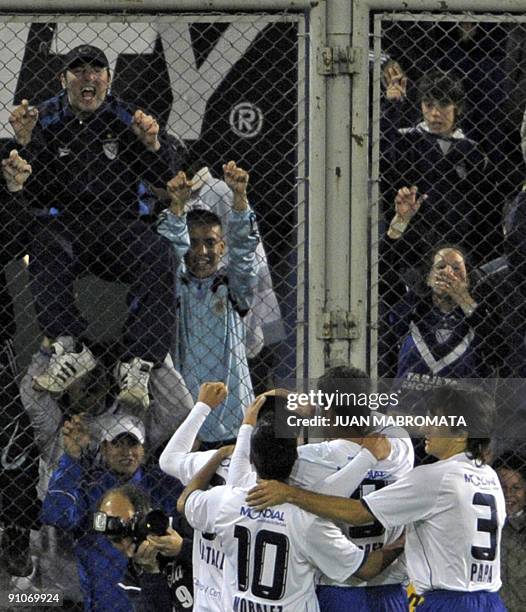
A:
{"x": 155, "y": 522}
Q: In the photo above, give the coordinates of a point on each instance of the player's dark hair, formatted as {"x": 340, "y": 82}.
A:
{"x": 272, "y": 457}
{"x": 478, "y": 410}
{"x": 201, "y": 217}
{"x": 274, "y": 408}
{"x": 442, "y": 87}
{"x": 137, "y": 497}
{"x": 510, "y": 460}
{"x": 347, "y": 383}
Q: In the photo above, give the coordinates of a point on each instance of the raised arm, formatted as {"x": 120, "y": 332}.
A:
{"x": 242, "y": 239}
{"x": 172, "y": 221}
{"x": 156, "y": 156}
{"x": 23, "y": 120}
{"x": 65, "y": 504}
{"x": 240, "y": 467}
{"x": 177, "y": 459}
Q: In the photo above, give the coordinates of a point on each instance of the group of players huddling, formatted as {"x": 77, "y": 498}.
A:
{"x": 344, "y": 524}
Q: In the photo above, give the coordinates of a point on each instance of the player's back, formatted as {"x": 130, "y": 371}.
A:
{"x": 272, "y": 556}
{"x": 457, "y": 545}
{"x": 318, "y": 461}
{"x": 207, "y": 552}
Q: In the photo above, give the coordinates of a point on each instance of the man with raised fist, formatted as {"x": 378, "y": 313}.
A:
{"x": 89, "y": 153}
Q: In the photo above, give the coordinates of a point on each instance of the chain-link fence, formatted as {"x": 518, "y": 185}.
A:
{"x": 122, "y": 305}
{"x": 446, "y": 123}
{"x": 120, "y": 277}
{"x": 447, "y": 173}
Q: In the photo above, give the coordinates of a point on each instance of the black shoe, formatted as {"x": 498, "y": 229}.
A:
{"x": 15, "y": 551}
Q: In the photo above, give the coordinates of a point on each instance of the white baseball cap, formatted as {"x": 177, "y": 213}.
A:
{"x": 118, "y": 424}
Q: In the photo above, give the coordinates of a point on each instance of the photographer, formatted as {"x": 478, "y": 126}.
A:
{"x": 78, "y": 483}
{"x": 151, "y": 561}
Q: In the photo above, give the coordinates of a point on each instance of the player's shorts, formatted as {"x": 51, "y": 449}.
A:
{"x": 449, "y": 601}
{"x": 388, "y": 598}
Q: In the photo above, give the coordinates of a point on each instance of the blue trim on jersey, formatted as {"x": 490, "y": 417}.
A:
{"x": 461, "y": 601}
{"x": 424, "y": 552}
{"x": 365, "y": 555}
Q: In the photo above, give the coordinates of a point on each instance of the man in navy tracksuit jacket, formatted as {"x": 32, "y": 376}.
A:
{"x": 89, "y": 153}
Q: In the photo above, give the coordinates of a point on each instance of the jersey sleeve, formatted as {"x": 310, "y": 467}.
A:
{"x": 202, "y": 507}
{"x": 177, "y": 460}
{"x": 402, "y": 456}
{"x": 330, "y": 551}
{"x": 240, "y": 468}
{"x": 186, "y": 465}
{"x": 243, "y": 238}
{"x": 412, "y": 498}
{"x": 344, "y": 482}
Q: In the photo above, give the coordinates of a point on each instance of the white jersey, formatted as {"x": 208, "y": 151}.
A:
{"x": 207, "y": 552}
{"x": 272, "y": 556}
{"x": 454, "y": 512}
{"x": 316, "y": 462}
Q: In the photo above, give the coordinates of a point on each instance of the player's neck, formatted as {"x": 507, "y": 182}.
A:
{"x": 454, "y": 449}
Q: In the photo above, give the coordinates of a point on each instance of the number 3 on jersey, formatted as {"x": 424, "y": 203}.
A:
{"x": 486, "y": 525}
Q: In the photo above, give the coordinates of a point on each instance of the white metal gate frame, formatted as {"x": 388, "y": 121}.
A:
{"x": 364, "y": 180}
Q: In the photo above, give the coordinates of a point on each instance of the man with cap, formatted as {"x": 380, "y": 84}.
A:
{"x": 79, "y": 482}
{"x": 90, "y": 153}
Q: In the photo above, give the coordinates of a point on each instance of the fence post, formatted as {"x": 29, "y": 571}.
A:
{"x": 317, "y": 104}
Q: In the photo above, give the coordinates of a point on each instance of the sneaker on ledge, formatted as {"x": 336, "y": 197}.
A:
{"x": 133, "y": 378}
{"x": 68, "y": 364}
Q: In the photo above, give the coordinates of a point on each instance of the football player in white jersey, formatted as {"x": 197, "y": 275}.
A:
{"x": 453, "y": 510}
{"x": 317, "y": 462}
{"x": 178, "y": 458}
{"x": 272, "y": 557}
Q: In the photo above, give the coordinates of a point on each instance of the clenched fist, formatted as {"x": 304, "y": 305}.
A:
{"x": 15, "y": 170}
{"x": 179, "y": 189}
{"x": 146, "y": 128}
{"x": 237, "y": 179}
{"x": 212, "y": 394}
{"x": 23, "y": 120}
{"x": 76, "y": 436}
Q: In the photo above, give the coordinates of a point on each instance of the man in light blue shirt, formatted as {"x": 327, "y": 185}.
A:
{"x": 212, "y": 299}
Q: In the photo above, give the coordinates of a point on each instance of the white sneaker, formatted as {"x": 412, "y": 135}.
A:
{"x": 65, "y": 367}
{"x": 133, "y": 378}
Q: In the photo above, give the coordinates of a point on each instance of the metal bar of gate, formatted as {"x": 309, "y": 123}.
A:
{"x": 130, "y": 6}
{"x": 317, "y": 134}
{"x": 510, "y": 6}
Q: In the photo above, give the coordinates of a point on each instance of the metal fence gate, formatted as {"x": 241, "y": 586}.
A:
{"x": 445, "y": 188}
{"x": 224, "y": 86}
